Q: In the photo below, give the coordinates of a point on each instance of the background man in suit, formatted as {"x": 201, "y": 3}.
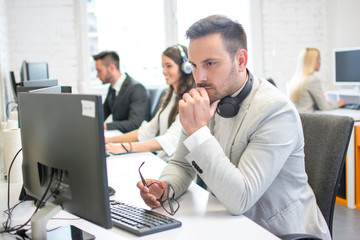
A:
{"x": 248, "y": 148}
{"x": 127, "y": 100}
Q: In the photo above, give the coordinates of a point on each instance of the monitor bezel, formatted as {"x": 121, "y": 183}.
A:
{"x": 343, "y": 83}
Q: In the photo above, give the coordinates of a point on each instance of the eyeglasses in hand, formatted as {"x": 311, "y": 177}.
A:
{"x": 170, "y": 205}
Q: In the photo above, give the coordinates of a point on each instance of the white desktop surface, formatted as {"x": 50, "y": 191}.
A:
{"x": 343, "y": 112}
{"x": 201, "y": 214}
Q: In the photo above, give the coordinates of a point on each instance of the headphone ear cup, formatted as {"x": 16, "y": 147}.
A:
{"x": 228, "y": 107}
{"x": 186, "y": 68}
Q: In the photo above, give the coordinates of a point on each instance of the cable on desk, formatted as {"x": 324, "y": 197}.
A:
{"x": 9, "y": 210}
{"x": 18, "y": 229}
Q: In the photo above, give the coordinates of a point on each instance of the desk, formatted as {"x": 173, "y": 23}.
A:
{"x": 201, "y": 214}
{"x": 351, "y": 160}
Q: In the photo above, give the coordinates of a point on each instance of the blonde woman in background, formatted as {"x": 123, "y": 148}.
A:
{"x": 305, "y": 88}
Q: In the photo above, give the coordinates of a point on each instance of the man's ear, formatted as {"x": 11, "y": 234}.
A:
{"x": 241, "y": 58}
{"x": 111, "y": 67}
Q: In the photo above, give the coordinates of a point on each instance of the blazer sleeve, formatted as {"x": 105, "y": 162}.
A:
{"x": 262, "y": 145}
{"x": 138, "y": 110}
{"x": 317, "y": 94}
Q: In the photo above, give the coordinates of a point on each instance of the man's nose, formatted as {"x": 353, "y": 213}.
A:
{"x": 200, "y": 75}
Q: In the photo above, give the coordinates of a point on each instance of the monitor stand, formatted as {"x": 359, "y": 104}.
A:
{"x": 42, "y": 216}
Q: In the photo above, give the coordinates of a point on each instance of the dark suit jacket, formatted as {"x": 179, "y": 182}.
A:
{"x": 131, "y": 107}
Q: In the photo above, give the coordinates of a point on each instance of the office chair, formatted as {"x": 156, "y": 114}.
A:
{"x": 156, "y": 94}
{"x": 326, "y": 141}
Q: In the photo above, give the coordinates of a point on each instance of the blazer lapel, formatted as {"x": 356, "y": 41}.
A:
{"x": 241, "y": 116}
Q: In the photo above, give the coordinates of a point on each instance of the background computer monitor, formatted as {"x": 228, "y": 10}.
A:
{"x": 62, "y": 134}
{"x": 34, "y": 71}
{"x": 40, "y": 83}
{"x": 347, "y": 66}
{"x": 30, "y": 87}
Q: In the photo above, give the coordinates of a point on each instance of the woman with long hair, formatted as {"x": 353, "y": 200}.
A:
{"x": 162, "y": 133}
{"x": 305, "y": 87}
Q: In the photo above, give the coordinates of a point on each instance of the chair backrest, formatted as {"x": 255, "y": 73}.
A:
{"x": 156, "y": 95}
{"x": 326, "y": 141}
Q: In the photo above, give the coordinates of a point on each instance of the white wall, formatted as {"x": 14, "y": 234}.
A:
{"x": 343, "y": 27}
{"x": 5, "y": 94}
{"x": 42, "y": 30}
{"x": 287, "y": 26}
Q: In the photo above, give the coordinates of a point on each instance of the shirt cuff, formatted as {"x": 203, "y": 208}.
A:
{"x": 197, "y": 138}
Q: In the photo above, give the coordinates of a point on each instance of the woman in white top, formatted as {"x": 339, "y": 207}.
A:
{"x": 162, "y": 133}
{"x": 305, "y": 88}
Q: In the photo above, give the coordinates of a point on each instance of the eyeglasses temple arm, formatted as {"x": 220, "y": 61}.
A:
{"x": 141, "y": 176}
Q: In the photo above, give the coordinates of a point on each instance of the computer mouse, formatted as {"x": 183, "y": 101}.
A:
{"x": 111, "y": 191}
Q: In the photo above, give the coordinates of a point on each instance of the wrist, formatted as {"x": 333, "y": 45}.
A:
{"x": 131, "y": 147}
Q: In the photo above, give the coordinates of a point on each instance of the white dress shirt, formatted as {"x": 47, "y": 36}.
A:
{"x": 168, "y": 136}
{"x": 117, "y": 86}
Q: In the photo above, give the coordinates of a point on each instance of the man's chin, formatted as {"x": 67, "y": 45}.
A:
{"x": 213, "y": 99}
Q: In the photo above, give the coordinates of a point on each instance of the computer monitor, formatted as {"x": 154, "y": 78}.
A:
{"x": 62, "y": 135}
{"x": 347, "y": 66}
{"x": 34, "y": 71}
{"x": 40, "y": 83}
{"x": 63, "y": 89}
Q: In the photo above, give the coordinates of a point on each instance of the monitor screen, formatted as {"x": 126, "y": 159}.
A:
{"x": 63, "y": 147}
{"x": 34, "y": 71}
{"x": 347, "y": 66}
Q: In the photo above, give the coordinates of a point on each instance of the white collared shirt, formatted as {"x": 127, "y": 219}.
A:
{"x": 168, "y": 135}
{"x": 118, "y": 84}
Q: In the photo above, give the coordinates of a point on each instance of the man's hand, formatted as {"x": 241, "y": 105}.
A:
{"x": 152, "y": 194}
{"x": 195, "y": 110}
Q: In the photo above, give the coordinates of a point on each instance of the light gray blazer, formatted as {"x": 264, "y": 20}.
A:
{"x": 261, "y": 172}
{"x": 312, "y": 98}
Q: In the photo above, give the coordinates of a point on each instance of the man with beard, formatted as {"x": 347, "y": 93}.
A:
{"x": 241, "y": 136}
{"x": 127, "y": 100}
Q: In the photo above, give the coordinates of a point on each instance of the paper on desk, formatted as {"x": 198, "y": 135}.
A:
{"x": 12, "y": 144}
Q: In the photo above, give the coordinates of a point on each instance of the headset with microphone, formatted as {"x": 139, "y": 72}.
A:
{"x": 228, "y": 107}
{"x": 185, "y": 66}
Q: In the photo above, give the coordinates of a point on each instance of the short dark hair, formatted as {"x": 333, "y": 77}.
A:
{"x": 108, "y": 57}
{"x": 232, "y": 32}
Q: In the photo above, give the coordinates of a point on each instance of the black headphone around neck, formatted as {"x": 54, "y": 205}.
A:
{"x": 228, "y": 107}
{"x": 185, "y": 66}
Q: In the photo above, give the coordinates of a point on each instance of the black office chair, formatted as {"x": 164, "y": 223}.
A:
{"x": 326, "y": 142}
{"x": 156, "y": 94}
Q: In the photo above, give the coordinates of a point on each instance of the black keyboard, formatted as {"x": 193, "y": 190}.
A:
{"x": 140, "y": 221}
{"x": 353, "y": 106}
